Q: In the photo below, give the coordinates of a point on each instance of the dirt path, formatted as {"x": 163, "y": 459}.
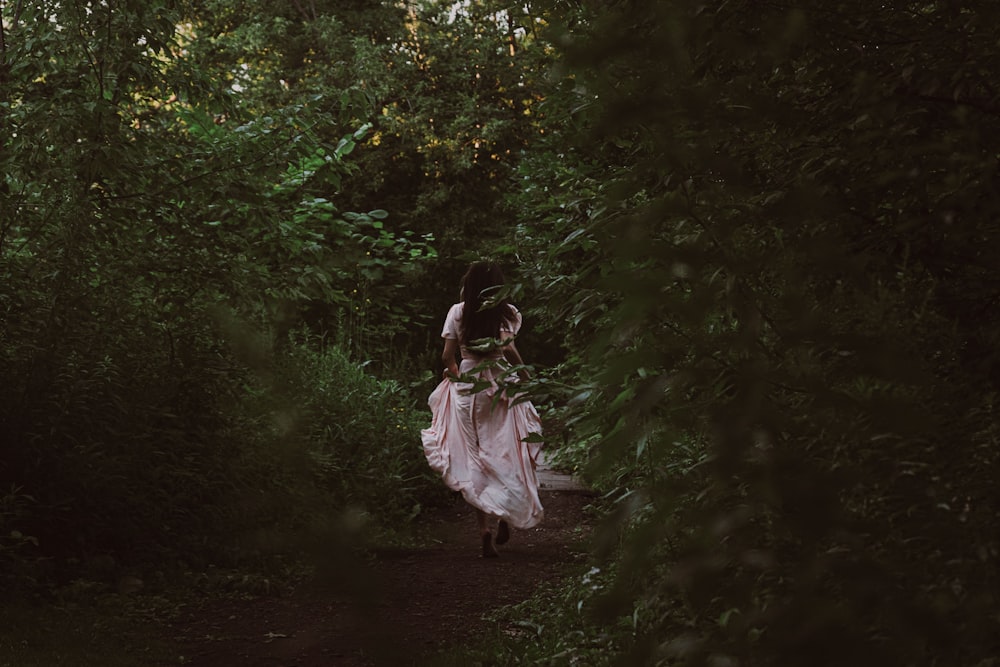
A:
{"x": 414, "y": 602}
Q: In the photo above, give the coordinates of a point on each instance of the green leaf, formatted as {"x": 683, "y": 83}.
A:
{"x": 362, "y": 131}
{"x": 344, "y": 147}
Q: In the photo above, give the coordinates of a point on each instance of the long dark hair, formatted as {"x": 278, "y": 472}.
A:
{"x": 480, "y": 285}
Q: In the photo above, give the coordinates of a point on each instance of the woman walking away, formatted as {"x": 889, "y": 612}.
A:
{"x": 477, "y": 436}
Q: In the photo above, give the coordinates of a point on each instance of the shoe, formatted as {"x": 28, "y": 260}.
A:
{"x": 503, "y": 532}
{"x": 488, "y": 550}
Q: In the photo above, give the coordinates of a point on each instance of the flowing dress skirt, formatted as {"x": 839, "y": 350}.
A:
{"x": 476, "y": 442}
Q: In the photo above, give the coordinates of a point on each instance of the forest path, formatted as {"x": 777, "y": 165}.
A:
{"x": 412, "y": 603}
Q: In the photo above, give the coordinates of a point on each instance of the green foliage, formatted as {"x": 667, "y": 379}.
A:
{"x": 450, "y": 99}
{"x": 150, "y": 220}
{"x": 560, "y": 625}
{"x": 111, "y": 630}
{"x": 456, "y": 106}
{"x": 756, "y": 245}
{"x": 361, "y": 433}
{"x": 764, "y": 249}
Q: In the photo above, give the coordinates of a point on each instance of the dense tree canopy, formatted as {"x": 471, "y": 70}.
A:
{"x": 756, "y": 244}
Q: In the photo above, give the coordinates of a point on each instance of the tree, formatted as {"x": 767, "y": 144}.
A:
{"x": 769, "y": 245}
{"x": 145, "y": 215}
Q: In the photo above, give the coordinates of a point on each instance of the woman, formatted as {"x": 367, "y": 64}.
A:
{"x": 477, "y": 436}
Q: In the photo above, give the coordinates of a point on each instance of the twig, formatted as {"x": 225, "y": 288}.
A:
{"x": 302, "y": 10}
{"x": 3, "y": 46}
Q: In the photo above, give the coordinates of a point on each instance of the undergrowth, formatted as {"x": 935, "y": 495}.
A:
{"x": 310, "y": 458}
{"x": 562, "y": 624}
{"x": 361, "y": 434}
{"x": 230, "y": 468}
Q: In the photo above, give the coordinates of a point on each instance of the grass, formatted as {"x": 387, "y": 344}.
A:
{"x": 554, "y": 627}
{"x": 108, "y": 631}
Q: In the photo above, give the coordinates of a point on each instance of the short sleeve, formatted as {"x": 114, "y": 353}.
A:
{"x": 453, "y": 322}
{"x": 514, "y": 325}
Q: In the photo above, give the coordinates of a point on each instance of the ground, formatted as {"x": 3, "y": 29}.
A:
{"x": 401, "y": 607}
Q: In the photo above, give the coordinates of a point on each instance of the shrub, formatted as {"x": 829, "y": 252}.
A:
{"x": 361, "y": 433}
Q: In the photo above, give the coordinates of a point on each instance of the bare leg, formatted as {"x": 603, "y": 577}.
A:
{"x": 482, "y": 518}
{"x": 503, "y": 532}
{"x": 484, "y": 530}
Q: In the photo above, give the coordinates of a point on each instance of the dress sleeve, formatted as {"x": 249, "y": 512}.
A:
{"x": 453, "y": 322}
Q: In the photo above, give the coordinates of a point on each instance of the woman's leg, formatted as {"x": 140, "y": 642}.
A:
{"x": 503, "y": 532}
{"x": 484, "y": 530}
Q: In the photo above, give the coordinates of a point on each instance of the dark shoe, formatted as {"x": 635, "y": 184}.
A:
{"x": 503, "y": 532}
{"x": 488, "y": 550}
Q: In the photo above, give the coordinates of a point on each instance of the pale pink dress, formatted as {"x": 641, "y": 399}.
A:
{"x": 476, "y": 440}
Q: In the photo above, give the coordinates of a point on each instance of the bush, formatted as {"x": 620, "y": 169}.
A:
{"x": 128, "y": 455}
{"x": 360, "y": 433}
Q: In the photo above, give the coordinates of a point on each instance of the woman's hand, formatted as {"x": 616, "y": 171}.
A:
{"x": 448, "y": 358}
{"x": 511, "y": 354}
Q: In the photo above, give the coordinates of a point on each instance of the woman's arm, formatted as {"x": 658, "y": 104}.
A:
{"x": 511, "y": 354}
{"x": 448, "y": 357}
